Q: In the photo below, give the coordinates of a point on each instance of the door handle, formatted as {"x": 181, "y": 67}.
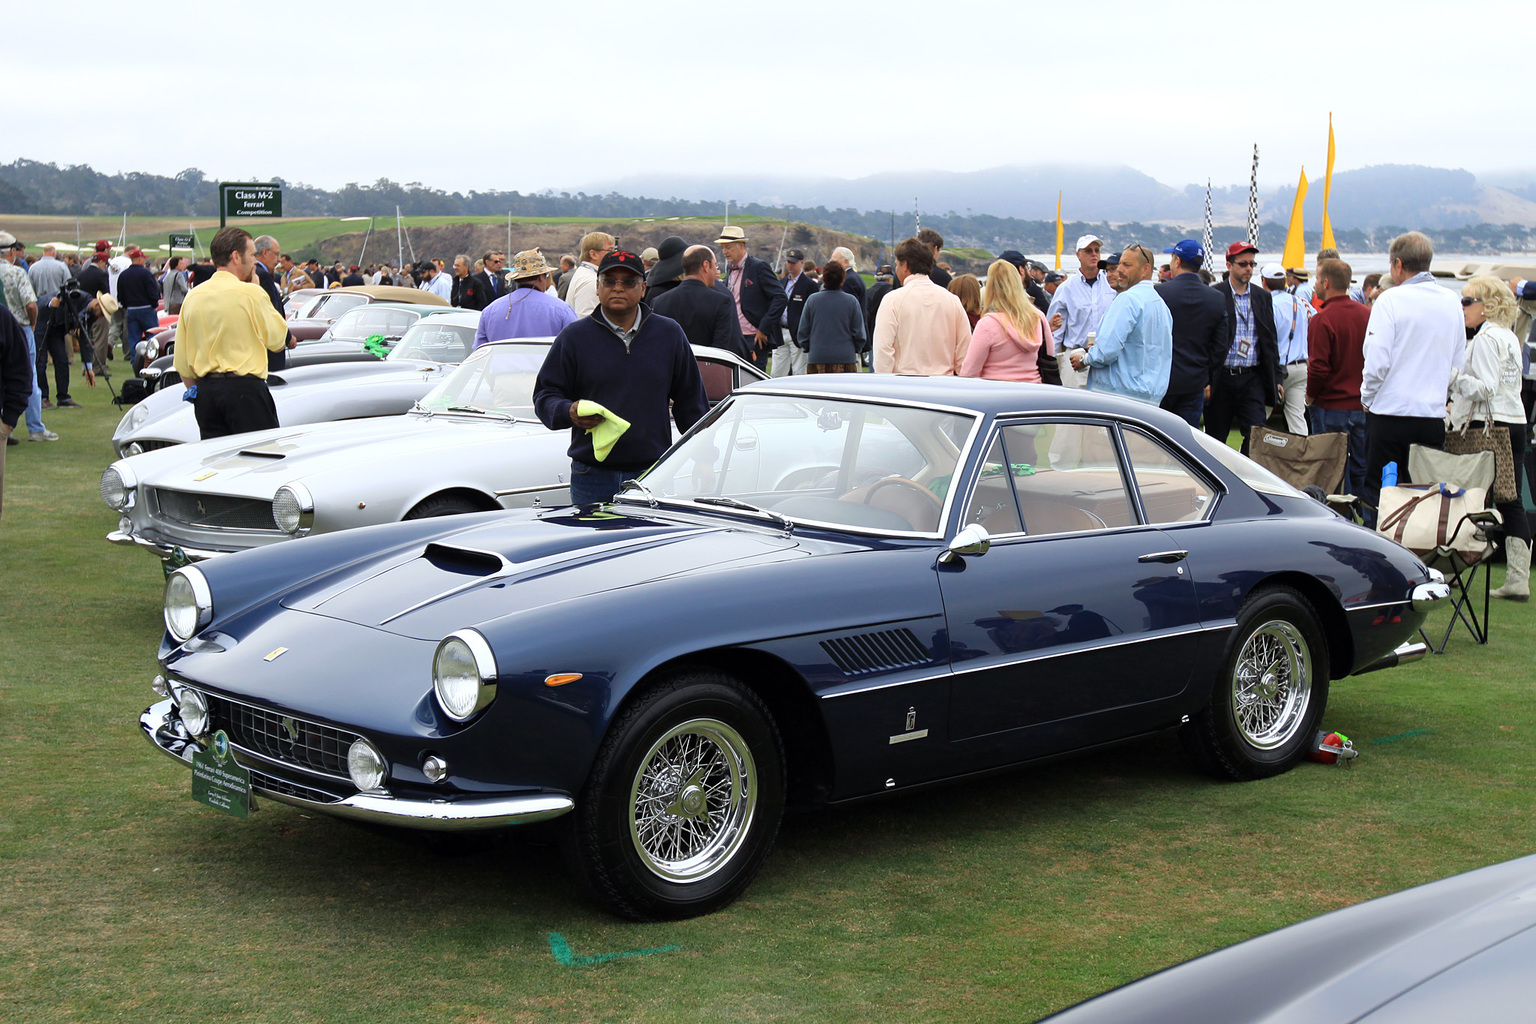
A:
{"x": 1164, "y": 556}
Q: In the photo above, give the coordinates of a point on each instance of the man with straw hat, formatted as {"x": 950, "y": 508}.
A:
{"x": 528, "y": 311}
{"x": 760, "y": 299}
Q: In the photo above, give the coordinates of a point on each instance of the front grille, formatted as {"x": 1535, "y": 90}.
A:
{"x": 216, "y": 510}
{"x": 150, "y": 444}
{"x": 870, "y": 652}
{"x": 283, "y": 738}
{"x": 273, "y": 784}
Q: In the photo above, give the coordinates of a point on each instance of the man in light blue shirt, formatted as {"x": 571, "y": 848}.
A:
{"x": 1293, "y": 311}
{"x": 1133, "y": 353}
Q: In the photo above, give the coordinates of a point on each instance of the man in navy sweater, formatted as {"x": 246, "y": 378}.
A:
{"x": 632, "y": 362}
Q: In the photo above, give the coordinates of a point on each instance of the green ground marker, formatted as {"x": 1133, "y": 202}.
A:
{"x": 561, "y": 950}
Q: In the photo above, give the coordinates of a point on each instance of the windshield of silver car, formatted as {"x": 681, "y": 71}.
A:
{"x": 871, "y": 467}
{"x": 364, "y": 322}
{"x": 494, "y": 379}
{"x": 431, "y": 338}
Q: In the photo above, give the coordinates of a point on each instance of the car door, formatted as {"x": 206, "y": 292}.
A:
{"x": 1080, "y": 609}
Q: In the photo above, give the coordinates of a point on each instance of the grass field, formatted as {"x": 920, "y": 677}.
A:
{"x": 994, "y": 900}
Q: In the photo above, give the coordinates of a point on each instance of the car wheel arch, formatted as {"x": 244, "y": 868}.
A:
{"x": 807, "y": 745}
{"x": 483, "y": 502}
{"x": 1330, "y": 616}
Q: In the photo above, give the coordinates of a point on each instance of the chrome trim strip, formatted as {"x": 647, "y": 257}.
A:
{"x": 529, "y": 490}
{"x": 1427, "y": 595}
{"x": 905, "y": 736}
{"x": 163, "y": 550}
{"x": 432, "y": 815}
{"x": 1035, "y": 656}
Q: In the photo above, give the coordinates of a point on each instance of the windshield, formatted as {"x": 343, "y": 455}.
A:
{"x": 329, "y": 307}
{"x": 362, "y": 323}
{"x": 845, "y": 463}
{"x": 495, "y": 378}
{"x": 433, "y": 338}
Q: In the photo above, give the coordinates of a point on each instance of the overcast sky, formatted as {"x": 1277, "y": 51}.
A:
{"x": 487, "y": 96}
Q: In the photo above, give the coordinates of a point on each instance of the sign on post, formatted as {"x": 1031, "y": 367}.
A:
{"x": 249, "y": 199}
{"x": 182, "y": 242}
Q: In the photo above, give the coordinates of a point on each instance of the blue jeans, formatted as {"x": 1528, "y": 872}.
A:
{"x": 1345, "y": 421}
{"x": 1187, "y": 407}
{"x": 593, "y": 485}
{"x": 137, "y": 321}
{"x": 34, "y": 414}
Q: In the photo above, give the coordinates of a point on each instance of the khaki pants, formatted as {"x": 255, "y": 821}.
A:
{"x": 101, "y": 342}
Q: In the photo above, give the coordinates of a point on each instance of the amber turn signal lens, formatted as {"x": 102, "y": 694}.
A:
{"x": 562, "y": 678}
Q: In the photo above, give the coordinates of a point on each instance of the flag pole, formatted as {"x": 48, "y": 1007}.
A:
{"x": 1253, "y": 200}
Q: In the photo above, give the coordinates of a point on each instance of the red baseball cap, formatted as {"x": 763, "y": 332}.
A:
{"x": 1238, "y": 248}
{"x": 134, "y": 252}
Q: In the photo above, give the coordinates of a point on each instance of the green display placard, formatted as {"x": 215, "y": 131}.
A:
{"x": 220, "y": 782}
{"x": 250, "y": 199}
{"x": 182, "y": 242}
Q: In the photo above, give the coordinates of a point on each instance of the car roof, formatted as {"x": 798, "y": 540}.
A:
{"x": 990, "y": 397}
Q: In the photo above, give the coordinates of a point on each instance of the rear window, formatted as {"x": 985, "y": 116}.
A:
{"x": 1245, "y": 469}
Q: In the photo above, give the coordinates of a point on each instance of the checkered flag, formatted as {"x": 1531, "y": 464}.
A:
{"x": 1208, "y": 239}
{"x": 1253, "y": 200}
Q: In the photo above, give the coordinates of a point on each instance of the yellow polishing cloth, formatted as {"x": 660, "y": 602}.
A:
{"x": 607, "y": 433}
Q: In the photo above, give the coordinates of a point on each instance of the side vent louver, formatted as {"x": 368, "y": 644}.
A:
{"x": 871, "y": 652}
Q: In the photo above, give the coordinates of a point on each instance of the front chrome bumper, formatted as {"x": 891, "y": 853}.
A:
{"x": 162, "y": 549}
{"x": 1427, "y": 595}
{"x": 165, "y": 732}
{"x": 1406, "y": 653}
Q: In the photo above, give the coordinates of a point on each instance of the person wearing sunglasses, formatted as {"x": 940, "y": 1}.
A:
{"x": 631, "y": 362}
{"x": 1247, "y": 381}
{"x": 1133, "y": 351}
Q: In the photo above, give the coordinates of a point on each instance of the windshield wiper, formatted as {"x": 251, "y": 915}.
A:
{"x": 735, "y": 503}
{"x": 478, "y": 411}
{"x": 637, "y": 485}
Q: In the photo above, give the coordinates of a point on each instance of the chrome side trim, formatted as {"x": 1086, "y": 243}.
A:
{"x": 529, "y": 490}
{"x": 1034, "y": 657}
{"x": 431, "y": 815}
{"x": 163, "y": 550}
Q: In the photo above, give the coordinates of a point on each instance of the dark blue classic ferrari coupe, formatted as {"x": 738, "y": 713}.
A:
{"x": 832, "y": 587}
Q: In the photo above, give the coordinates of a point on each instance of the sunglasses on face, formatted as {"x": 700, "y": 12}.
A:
{"x": 620, "y": 281}
{"x": 1467, "y": 300}
{"x": 1245, "y": 263}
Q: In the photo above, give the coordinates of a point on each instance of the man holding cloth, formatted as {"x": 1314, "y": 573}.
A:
{"x": 622, "y": 364}
{"x": 226, "y": 329}
{"x": 1079, "y": 304}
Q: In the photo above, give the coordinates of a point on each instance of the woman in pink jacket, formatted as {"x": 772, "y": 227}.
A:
{"x": 1011, "y": 333}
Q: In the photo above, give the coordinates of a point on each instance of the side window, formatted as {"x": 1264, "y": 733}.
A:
{"x": 992, "y": 502}
{"x": 1170, "y": 493}
{"x": 1067, "y": 477}
{"x": 718, "y": 379}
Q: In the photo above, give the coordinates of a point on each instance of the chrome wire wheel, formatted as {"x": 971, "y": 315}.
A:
{"x": 692, "y": 800}
{"x": 1272, "y": 685}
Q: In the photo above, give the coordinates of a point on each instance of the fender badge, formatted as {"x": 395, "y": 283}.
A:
{"x": 274, "y": 655}
{"x": 205, "y": 476}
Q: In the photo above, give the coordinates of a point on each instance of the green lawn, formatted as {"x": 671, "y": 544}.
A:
{"x": 991, "y": 900}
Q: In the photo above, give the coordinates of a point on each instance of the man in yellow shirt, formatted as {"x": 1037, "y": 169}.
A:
{"x": 227, "y": 326}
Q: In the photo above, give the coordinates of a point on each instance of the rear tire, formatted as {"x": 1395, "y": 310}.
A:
{"x": 683, "y": 802}
{"x": 1271, "y": 693}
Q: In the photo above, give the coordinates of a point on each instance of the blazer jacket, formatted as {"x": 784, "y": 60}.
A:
{"x": 1200, "y": 335}
{"x": 1264, "y": 330}
{"x": 762, "y": 297}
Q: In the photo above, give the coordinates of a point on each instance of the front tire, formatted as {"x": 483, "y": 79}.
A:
{"x": 1271, "y": 693}
{"x": 683, "y": 802}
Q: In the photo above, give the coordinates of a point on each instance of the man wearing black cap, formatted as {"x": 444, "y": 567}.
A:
{"x": 1199, "y": 331}
{"x": 631, "y": 363}
{"x": 788, "y": 356}
{"x": 1025, "y": 266}
{"x": 1247, "y": 379}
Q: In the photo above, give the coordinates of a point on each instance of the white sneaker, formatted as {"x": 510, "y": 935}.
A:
{"x": 43, "y": 435}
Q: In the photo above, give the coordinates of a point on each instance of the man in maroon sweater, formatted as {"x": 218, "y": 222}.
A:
{"x": 1335, "y": 361}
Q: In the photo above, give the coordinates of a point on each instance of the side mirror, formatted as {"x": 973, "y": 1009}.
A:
{"x": 973, "y": 540}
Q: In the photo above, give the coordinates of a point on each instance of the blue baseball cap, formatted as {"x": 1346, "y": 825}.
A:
{"x": 1188, "y": 250}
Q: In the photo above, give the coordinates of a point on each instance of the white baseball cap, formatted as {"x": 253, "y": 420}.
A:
{"x": 1274, "y": 272}
{"x": 1084, "y": 241}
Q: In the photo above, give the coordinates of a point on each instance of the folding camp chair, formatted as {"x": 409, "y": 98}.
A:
{"x": 1313, "y": 463}
{"x": 1465, "y": 540}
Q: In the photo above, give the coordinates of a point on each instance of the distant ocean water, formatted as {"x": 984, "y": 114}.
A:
{"x": 1360, "y": 263}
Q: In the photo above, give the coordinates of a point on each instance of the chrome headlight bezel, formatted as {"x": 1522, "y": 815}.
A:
{"x": 138, "y": 417}
{"x": 451, "y": 682}
{"x": 366, "y": 767}
{"x": 192, "y": 709}
{"x": 191, "y": 595}
{"x": 118, "y": 482}
{"x": 293, "y": 509}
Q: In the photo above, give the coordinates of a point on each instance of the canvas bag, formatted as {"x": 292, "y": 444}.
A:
{"x": 1423, "y": 517}
{"x": 1469, "y": 440}
{"x": 1432, "y": 465}
{"x": 1301, "y": 460}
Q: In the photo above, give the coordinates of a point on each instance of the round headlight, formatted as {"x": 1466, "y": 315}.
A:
{"x": 366, "y": 766}
{"x": 188, "y": 603}
{"x": 114, "y": 490}
{"x": 293, "y": 510}
{"x": 134, "y": 449}
{"x": 464, "y": 674}
{"x": 193, "y": 709}
{"x": 137, "y": 417}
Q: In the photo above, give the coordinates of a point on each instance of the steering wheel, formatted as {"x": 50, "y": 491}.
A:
{"x": 904, "y": 482}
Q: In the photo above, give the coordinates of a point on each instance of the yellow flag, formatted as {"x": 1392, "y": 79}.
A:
{"x": 1328, "y": 242}
{"x": 1295, "y": 253}
{"x": 1058, "y": 229}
